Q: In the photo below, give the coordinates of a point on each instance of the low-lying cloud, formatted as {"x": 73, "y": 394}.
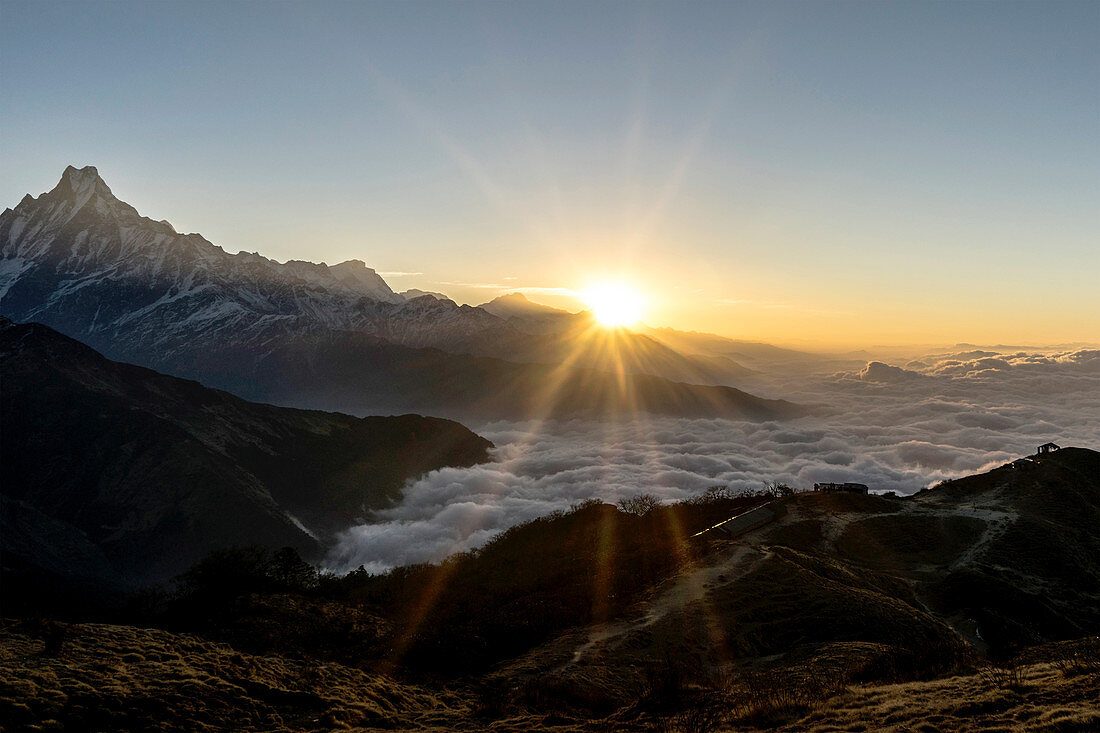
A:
{"x": 945, "y": 416}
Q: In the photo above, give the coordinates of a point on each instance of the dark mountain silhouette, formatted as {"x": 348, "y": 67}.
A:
{"x": 87, "y": 264}
{"x": 351, "y": 372}
{"x": 533, "y": 317}
{"x": 115, "y": 471}
{"x": 751, "y": 352}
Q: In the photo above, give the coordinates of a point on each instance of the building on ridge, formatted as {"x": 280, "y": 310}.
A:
{"x": 851, "y": 488}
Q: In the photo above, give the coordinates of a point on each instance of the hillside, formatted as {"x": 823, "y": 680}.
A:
{"x": 862, "y": 586}
{"x": 115, "y": 472}
{"x": 164, "y": 681}
{"x": 156, "y": 680}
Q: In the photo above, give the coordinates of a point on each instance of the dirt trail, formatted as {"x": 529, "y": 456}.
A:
{"x": 745, "y": 554}
{"x": 996, "y": 522}
{"x": 990, "y": 506}
{"x": 674, "y": 595}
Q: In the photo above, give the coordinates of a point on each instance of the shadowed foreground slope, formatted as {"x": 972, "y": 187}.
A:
{"x": 101, "y": 677}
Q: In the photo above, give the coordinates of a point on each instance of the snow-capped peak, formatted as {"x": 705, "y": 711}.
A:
{"x": 82, "y": 259}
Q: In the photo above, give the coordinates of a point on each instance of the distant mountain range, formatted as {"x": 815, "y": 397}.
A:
{"x": 117, "y": 473}
{"x": 87, "y": 264}
{"x": 557, "y": 336}
{"x": 534, "y": 317}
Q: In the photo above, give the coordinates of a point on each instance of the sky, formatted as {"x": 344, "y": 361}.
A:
{"x": 841, "y": 174}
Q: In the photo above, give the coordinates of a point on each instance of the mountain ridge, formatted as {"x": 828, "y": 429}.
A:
{"x": 79, "y": 260}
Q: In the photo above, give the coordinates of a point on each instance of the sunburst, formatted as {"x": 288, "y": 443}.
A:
{"x": 614, "y": 303}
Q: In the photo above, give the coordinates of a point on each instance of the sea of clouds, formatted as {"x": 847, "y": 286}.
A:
{"x": 895, "y": 428}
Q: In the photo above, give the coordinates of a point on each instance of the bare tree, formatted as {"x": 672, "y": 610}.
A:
{"x": 777, "y": 489}
{"x": 640, "y": 505}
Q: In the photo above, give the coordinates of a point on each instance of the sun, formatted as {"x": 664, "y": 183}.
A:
{"x": 614, "y": 303}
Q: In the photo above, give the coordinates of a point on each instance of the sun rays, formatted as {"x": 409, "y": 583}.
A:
{"x": 609, "y": 365}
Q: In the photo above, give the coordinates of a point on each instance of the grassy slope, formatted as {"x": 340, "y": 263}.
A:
{"x": 102, "y": 677}
{"x": 1046, "y": 700}
{"x": 125, "y": 678}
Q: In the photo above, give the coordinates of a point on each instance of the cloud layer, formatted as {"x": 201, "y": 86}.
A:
{"x": 945, "y": 416}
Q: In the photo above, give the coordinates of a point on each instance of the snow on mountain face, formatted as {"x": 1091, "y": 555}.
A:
{"x": 84, "y": 262}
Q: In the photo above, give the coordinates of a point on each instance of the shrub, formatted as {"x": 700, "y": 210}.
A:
{"x": 1006, "y": 676}
{"x": 665, "y": 688}
{"x": 704, "y": 716}
{"x": 682, "y": 701}
{"x": 906, "y": 661}
{"x": 777, "y": 490}
{"x": 239, "y": 571}
{"x": 1083, "y": 657}
{"x": 769, "y": 697}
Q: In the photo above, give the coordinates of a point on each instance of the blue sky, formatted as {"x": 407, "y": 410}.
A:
{"x": 742, "y": 163}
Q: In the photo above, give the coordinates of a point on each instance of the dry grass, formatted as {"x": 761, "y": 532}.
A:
{"x": 1041, "y": 699}
{"x": 92, "y": 677}
{"x": 898, "y": 543}
{"x": 1081, "y": 657}
{"x": 103, "y": 677}
{"x": 1007, "y": 676}
{"x": 802, "y": 535}
{"x": 768, "y": 698}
